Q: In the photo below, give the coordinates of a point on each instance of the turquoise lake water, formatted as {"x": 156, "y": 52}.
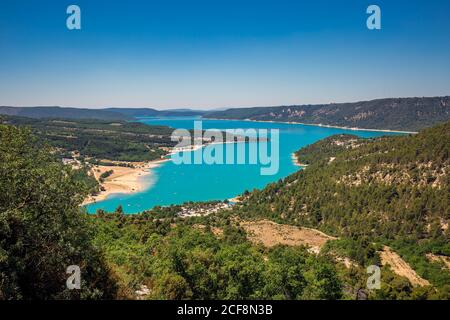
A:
{"x": 176, "y": 184}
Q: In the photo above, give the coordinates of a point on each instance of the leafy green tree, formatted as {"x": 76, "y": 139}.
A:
{"x": 42, "y": 229}
{"x": 284, "y": 276}
{"x": 323, "y": 282}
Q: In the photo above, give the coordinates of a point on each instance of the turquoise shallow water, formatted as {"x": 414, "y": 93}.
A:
{"x": 175, "y": 184}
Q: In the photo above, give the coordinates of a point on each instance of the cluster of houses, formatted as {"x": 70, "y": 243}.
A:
{"x": 204, "y": 210}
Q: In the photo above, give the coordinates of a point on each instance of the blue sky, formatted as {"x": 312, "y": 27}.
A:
{"x": 216, "y": 53}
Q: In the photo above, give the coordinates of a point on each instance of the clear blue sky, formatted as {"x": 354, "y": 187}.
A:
{"x": 220, "y": 53}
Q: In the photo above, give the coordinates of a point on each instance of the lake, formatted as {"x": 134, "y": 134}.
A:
{"x": 175, "y": 184}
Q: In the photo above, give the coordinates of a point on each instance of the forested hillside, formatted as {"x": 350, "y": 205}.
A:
{"x": 327, "y": 148}
{"x": 62, "y": 113}
{"x": 410, "y": 114}
{"x": 402, "y": 181}
{"x": 99, "y": 139}
{"x": 42, "y": 228}
{"x": 407, "y": 114}
{"x": 108, "y": 114}
{"x": 185, "y": 259}
{"x": 392, "y": 190}
{"x": 365, "y": 193}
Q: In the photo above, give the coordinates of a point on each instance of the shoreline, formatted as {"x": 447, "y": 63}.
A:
{"x": 236, "y": 199}
{"x": 126, "y": 180}
{"x": 320, "y": 125}
{"x": 123, "y": 180}
{"x": 296, "y": 162}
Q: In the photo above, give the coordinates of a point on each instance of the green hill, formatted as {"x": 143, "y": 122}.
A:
{"x": 368, "y": 193}
{"x": 388, "y": 190}
{"x": 62, "y": 113}
{"x": 108, "y": 114}
{"x": 410, "y": 114}
{"x": 42, "y": 229}
{"x": 99, "y": 139}
{"x": 402, "y": 181}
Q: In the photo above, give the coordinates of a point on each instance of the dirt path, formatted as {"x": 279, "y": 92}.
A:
{"x": 400, "y": 267}
{"x": 270, "y": 234}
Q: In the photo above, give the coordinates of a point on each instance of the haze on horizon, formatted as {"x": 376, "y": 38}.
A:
{"x": 209, "y": 55}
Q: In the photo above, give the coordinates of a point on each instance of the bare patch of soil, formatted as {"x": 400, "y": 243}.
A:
{"x": 400, "y": 267}
{"x": 270, "y": 234}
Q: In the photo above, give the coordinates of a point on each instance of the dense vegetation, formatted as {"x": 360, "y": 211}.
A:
{"x": 410, "y": 114}
{"x": 183, "y": 261}
{"x": 402, "y": 181}
{"x": 42, "y": 229}
{"x": 105, "y": 175}
{"x": 210, "y": 258}
{"x": 327, "y": 148}
{"x": 386, "y": 191}
{"x": 84, "y": 176}
{"x": 118, "y": 140}
{"x": 394, "y": 190}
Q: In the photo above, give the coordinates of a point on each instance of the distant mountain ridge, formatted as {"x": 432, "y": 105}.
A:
{"x": 405, "y": 114}
{"x": 99, "y": 114}
{"x": 410, "y": 114}
{"x": 62, "y": 112}
{"x": 150, "y": 112}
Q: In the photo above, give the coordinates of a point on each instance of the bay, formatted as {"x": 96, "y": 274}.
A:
{"x": 175, "y": 184}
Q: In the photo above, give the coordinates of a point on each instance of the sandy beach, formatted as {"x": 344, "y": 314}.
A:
{"x": 129, "y": 180}
{"x": 123, "y": 179}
